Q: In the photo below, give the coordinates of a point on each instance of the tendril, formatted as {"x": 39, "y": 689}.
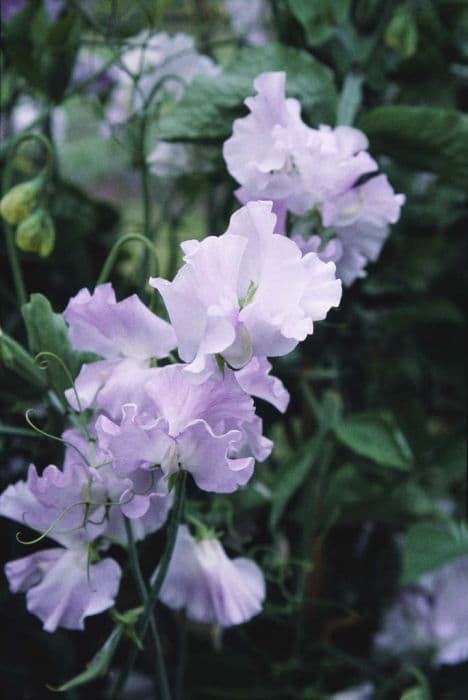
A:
{"x": 43, "y": 364}
{"x": 55, "y": 522}
{"x": 53, "y": 437}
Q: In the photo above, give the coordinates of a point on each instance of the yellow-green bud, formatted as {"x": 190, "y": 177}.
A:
{"x": 36, "y": 233}
{"x": 402, "y": 32}
{"x": 20, "y": 201}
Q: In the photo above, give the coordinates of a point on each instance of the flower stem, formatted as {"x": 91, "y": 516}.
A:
{"x": 17, "y": 275}
{"x": 112, "y": 257}
{"x": 161, "y": 674}
{"x": 175, "y": 518}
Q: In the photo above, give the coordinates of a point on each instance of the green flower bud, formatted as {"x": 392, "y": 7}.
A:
{"x": 402, "y": 32}
{"x": 20, "y": 201}
{"x": 36, "y": 233}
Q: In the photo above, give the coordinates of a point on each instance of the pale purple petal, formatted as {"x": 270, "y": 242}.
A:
{"x": 66, "y": 594}
{"x": 24, "y": 573}
{"x": 108, "y": 384}
{"x": 247, "y": 293}
{"x": 211, "y": 587}
{"x": 266, "y": 152}
{"x": 374, "y": 202}
{"x": 100, "y": 324}
{"x": 209, "y": 429}
{"x": 205, "y": 456}
{"x": 255, "y": 379}
{"x": 138, "y": 441}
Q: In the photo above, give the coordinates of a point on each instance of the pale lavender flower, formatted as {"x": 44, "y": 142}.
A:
{"x": 210, "y": 587}
{"x": 250, "y": 19}
{"x": 430, "y": 617}
{"x": 122, "y": 495}
{"x": 127, "y": 334}
{"x": 168, "y": 62}
{"x": 274, "y": 155}
{"x": 271, "y": 148}
{"x": 56, "y": 500}
{"x": 360, "y": 219}
{"x": 60, "y": 589}
{"x": 248, "y": 293}
{"x": 208, "y": 429}
{"x": 340, "y": 158}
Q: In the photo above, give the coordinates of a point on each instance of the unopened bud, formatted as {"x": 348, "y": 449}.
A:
{"x": 36, "y": 234}
{"x": 20, "y": 201}
{"x": 402, "y": 32}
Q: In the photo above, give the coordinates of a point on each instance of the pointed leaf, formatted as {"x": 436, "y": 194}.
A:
{"x": 377, "y": 437}
{"x": 98, "y": 665}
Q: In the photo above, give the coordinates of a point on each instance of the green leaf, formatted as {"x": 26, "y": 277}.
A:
{"x": 377, "y": 437}
{"x": 319, "y": 17}
{"x": 293, "y": 475}
{"x": 17, "y": 359}
{"x": 98, "y": 665}
{"x": 47, "y": 332}
{"x": 429, "y": 546}
{"x": 210, "y": 104}
{"x": 422, "y": 137}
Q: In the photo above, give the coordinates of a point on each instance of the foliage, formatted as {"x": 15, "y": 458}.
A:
{"x": 364, "y": 491}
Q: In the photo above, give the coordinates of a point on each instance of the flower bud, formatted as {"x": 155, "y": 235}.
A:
{"x": 20, "y": 201}
{"x": 402, "y": 32}
{"x": 36, "y": 234}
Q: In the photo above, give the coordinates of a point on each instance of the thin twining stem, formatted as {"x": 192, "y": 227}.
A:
{"x": 161, "y": 673}
{"x": 174, "y": 521}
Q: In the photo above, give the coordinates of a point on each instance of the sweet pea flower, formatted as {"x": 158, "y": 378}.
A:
{"x": 274, "y": 155}
{"x": 430, "y": 617}
{"x": 121, "y": 494}
{"x": 127, "y": 334}
{"x": 250, "y": 20}
{"x": 209, "y": 429}
{"x": 268, "y": 151}
{"x": 61, "y": 589}
{"x": 248, "y": 293}
{"x": 359, "y": 219}
{"x": 162, "y": 61}
{"x": 210, "y": 587}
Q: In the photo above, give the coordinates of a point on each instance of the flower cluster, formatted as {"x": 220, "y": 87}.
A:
{"x": 238, "y": 299}
{"x": 316, "y": 174}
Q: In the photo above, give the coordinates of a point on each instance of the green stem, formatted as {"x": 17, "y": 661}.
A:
{"x": 175, "y": 518}
{"x": 112, "y": 257}
{"x": 144, "y": 173}
{"x": 350, "y": 99}
{"x": 13, "y": 259}
{"x": 182, "y": 659}
{"x": 161, "y": 674}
